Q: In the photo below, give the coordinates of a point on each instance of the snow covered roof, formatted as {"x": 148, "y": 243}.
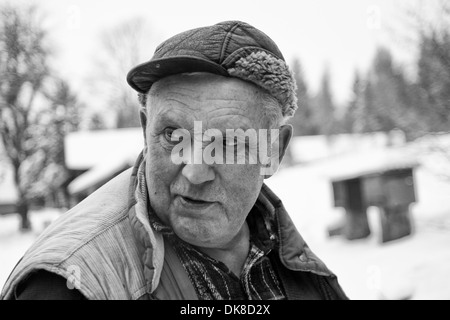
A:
{"x": 99, "y": 173}
{"x": 356, "y": 164}
{"x": 346, "y": 156}
{"x": 104, "y": 153}
{"x": 87, "y": 149}
{"x": 310, "y": 148}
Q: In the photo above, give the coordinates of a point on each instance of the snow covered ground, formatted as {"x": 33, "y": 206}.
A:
{"x": 414, "y": 267}
{"x": 13, "y": 244}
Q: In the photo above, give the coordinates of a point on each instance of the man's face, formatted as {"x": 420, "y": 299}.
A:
{"x": 206, "y": 205}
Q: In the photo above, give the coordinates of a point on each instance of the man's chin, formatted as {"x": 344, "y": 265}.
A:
{"x": 206, "y": 237}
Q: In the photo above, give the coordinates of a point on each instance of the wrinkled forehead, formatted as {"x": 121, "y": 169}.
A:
{"x": 209, "y": 84}
{"x": 217, "y": 101}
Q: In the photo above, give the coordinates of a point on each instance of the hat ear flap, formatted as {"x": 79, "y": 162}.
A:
{"x": 270, "y": 73}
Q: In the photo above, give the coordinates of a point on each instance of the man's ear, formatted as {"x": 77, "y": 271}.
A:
{"x": 143, "y": 120}
{"x": 284, "y": 138}
{"x": 281, "y": 143}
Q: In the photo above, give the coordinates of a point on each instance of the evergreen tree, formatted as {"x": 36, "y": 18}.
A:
{"x": 324, "y": 107}
{"x": 394, "y": 100}
{"x": 352, "y": 122}
{"x": 434, "y": 80}
{"x": 386, "y": 105}
{"x": 302, "y": 121}
{"x": 370, "y": 121}
{"x": 385, "y": 100}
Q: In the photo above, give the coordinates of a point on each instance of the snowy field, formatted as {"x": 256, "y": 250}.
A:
{"x": 13, "y": 244}
{"x": 415, "y": 267}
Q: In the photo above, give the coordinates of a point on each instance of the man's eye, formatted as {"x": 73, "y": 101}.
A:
{"x": 168, "y": 132}
{"x": 172, "y": 136}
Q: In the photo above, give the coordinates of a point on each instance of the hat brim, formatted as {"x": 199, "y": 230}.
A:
{"x": 142, "y": 77}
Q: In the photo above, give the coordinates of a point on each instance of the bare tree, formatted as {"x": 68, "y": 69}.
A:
{"x": 122, "y": 49}
{"x": 23, "y": 69}
{"x": 63, "y": 116}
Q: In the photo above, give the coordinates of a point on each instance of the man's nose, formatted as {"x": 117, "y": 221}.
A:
{"x": 198, "y": 173}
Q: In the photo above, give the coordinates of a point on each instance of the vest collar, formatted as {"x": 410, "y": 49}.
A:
{"x": 293, "y": 250}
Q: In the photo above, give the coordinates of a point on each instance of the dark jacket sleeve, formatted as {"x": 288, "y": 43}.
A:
{"x": 44, "y": 285}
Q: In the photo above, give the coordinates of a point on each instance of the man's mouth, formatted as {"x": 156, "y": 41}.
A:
{"x": 194, "y": 203}
{"x": 194, "y": 200}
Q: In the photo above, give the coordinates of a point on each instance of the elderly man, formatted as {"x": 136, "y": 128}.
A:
{"x": 190, "y": 222}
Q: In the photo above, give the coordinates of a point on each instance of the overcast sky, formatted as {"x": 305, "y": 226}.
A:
{"x": 340, "y": 34}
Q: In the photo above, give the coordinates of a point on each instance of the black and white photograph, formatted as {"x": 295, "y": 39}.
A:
{"x": 233, "y": 150}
